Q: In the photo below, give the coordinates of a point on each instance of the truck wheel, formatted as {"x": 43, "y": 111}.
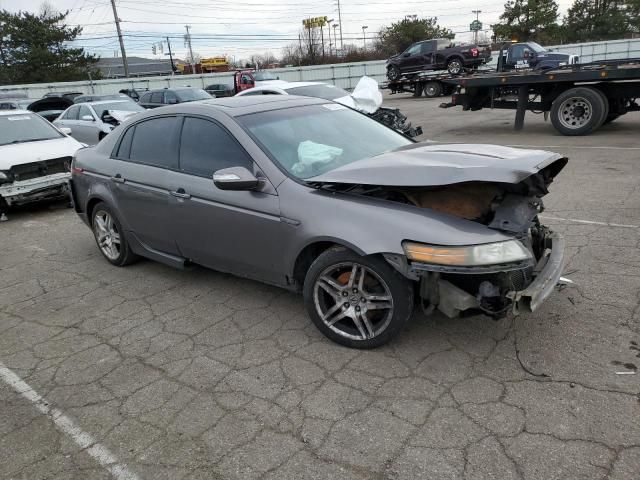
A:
{"x": 578, "y": 111}
{"x": 432, "y": 89}
{"x": 417, "y": 90}
{"x": 393, "y": 72}
{"x": 455, "y": 66}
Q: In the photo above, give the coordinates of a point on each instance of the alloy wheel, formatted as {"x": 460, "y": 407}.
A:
{"x": 107, "y": 234}
{"x": 353, "y": 301}
{"x": 455, "y": 67}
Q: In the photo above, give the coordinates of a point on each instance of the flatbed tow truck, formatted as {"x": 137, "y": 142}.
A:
{"x": 579, "y": 98}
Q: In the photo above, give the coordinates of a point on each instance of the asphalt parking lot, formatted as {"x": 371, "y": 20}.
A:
{"x": 148, "y": 373}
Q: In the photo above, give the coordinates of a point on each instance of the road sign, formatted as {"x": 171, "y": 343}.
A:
{"x": 475, "y": 26}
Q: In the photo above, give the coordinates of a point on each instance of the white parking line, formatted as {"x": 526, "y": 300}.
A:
{"x": 83, "y": 439}
{"x": 590, "y": 222}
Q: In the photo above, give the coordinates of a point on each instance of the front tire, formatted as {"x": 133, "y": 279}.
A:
{"x": 110, "y": 236}
{"x": 356, "y": 301}
{"x": 393, "y": 72}
{"x": 432, "y": 89}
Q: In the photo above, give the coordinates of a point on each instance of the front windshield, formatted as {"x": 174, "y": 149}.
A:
{"x": 314, "y": 139}
{"x": 26, "y": 127}
{"x": 126, "y": 106}
{"x": 192, "y": 94}
{"x": 536, "y": 48}
{"x": 326, "y": 92}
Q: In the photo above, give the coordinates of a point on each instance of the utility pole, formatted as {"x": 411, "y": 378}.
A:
{"x": 124, "y": 55}
{"x": 335, "y": 39}
{"x": 340, "y": 20}
{"x": 173, "y": 68}
{"x": 187, "y": 39}
{"x": 329, "y": 22}
{"x": 364, "y": 38}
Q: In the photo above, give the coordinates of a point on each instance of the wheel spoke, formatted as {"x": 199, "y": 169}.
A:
{"x": 363, "y": 325}
{"x": 330, "y": 286}
{"x": 101, "y": 225}
{"x": 115, "y": 238}
{"x": 334, "y": 314}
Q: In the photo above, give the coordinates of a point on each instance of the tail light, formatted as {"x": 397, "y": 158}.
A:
{"x": 77, "y": 170}
{"x": 474, "y": 52}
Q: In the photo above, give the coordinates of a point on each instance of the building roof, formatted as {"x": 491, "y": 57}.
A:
{"x": 138, "y": 66}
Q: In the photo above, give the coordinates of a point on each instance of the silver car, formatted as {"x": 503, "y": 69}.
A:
{"x": 92, "y": 121}
{"x": 315, "y": 197}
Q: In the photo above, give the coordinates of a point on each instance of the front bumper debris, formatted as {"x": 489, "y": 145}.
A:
{"x": 27, "y": 191}
{"x": 547, "y": 275}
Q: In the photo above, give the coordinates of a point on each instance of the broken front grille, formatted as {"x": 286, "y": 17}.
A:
{"x": 27, "y": 171}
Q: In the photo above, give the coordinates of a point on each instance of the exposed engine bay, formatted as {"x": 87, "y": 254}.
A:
{"x": 511, "y": 208}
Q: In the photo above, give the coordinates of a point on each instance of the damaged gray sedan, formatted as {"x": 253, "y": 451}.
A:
{"x": 315, "y": 197}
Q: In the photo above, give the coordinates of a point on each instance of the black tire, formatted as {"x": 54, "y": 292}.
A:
{"x": 455, "y": 66}
{"x": 353, "y": 324}
{"x": 432, "y": 89}
{"x": 393, "y": 72}
{"x": 124, "y": 254}
{"x": 417, "y": 91}
{"x": 578, "y": 111}
{"x": 605, "y": 110}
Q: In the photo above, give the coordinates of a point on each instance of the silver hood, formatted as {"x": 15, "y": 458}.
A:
{"x": 445, "y": 164}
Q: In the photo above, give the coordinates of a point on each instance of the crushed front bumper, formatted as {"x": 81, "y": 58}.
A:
{"x": 547, "y": 275}
{"x": 35, "y": 189}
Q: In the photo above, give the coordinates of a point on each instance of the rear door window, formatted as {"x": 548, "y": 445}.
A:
{"x": 206, "y": 147}
{"x": 154, "y": 143}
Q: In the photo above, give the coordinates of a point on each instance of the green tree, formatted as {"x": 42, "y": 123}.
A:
{"x": 397, "y": 37}
{"x": 35, "y": 48}
{"x": 524, "y": 20}
{"x": 591, "y": 20}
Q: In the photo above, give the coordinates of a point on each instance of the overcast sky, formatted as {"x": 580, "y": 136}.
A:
{"x": 258, "y": 25}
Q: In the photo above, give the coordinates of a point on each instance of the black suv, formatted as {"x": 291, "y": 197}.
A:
{"x": 437, "y": 54}
{"x": 171, "y": 96}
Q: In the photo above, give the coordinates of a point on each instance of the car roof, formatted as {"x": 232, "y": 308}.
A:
{"x": 238, "y": 106}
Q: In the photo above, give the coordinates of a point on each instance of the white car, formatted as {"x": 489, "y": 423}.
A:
{"x": 366, "y": 97}
{"x": 90, "y": 122}
{"x": 35, "y": 159}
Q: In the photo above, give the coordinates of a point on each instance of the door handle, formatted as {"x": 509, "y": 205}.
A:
{"x": 117, "y": 178}
{"x": 180, "y": 193}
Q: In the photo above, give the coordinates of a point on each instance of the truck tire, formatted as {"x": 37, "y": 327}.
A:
{"x": 417, "y": 90}
{"x": 578, "y": 111}
{"x": 455, "y": 65}
{"x": 393, "y": 72}
{"x": 432, "y": 89}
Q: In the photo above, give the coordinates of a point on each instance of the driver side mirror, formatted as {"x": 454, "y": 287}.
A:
{"x": 235, "y": 178}
{"x": 65, "y": 130}
{"x": 87, "y": 118}
{"x": 406, "y": 54}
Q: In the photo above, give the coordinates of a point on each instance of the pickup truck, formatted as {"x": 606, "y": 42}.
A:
{"x": 530, "y": 55}
{"x": 437, "y": 54}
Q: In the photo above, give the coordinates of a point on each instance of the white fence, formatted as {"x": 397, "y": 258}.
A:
{"x": 344, "y": 75}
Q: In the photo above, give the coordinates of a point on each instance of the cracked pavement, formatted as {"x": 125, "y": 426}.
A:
{"x": 196, "y": 374}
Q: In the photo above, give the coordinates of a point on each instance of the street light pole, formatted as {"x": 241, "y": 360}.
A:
{"x": 335, "y": 38}
{"x": 329, "y": 22}
{"x": 364, "y": 38}
{"x": 475, "y": 34}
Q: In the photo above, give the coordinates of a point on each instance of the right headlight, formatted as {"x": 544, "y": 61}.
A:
{"x": 510, "y": 251}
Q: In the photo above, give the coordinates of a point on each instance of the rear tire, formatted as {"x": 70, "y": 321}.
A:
{"x": 110, "y": 236}
{"x": 356, "y": 301}
{"x": 432, "y": 89}
{"x": 393, "y": 72}
{"x": 578, "y": 111}
{"x": 455, "y": 66}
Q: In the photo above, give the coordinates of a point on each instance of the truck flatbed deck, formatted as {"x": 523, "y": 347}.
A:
{"x": 579, "y": 98}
